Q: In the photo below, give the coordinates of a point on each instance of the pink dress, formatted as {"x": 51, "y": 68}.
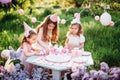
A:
{"x": 28, "y": 67}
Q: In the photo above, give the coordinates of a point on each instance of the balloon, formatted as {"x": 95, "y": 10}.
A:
{"x": 5, "y": 1}
{"x": 111, "y": 23}
{"x": 105, "y": 19}
{"x": 97, "y": 18}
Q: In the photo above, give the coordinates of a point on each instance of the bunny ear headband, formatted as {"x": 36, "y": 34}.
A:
{"x": 77, "y": 19}
{"x": 27, "y": 29}
{"x": 54, "y": 17}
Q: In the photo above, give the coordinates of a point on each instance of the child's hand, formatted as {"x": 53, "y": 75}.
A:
{"x": 38, "y": 51}
{"x": 47, "y": 51}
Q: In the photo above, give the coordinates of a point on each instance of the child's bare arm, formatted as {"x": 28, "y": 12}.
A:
{"x": 66, "y": 41}
{"x": 81, "y": 45}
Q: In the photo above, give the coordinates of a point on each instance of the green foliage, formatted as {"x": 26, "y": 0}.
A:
{"x": 8, "y": 38}
{"x": 116, "y": 6}
{"x": 57, "y": 5}
{"x": 47, "y": 12}
{"x": 16, "y": 61}
{"x": 115, "y": 1}
{"x": 73, "y": 10}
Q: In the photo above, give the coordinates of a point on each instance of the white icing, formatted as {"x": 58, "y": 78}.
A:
{"x": 58, "y": 57}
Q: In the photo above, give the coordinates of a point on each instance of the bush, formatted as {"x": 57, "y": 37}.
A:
{"x": 116, "y": 6}
{"x": 7, "y": 39}
{"x": 73, "y": 10}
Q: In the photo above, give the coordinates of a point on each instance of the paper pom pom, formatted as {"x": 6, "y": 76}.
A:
{"x": 33, "y": 20}
{"x": 111, "y": 23}
{"x": 63, "y": 21}
{"x": 97, "y": 18}
{"x": 21, "y": 11}
{"x": 5, "y": 1}
{"x": 75, "y": 14}
{"x": 105, "y": 19}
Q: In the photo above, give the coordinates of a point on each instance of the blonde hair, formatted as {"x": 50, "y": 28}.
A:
{"x": 80, "y": 30}
{"x": 45, "y": 30}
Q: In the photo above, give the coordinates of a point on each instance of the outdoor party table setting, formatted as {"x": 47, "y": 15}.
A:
{"x": 61, "y": 61}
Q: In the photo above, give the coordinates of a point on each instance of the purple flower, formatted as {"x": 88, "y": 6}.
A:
{"x": 114, "y": 70}
{"x": 17, "y": 67}
{"x": 86, "y": 76}
{"x": 104, "y": 67}
{"x": 92, "y": 73}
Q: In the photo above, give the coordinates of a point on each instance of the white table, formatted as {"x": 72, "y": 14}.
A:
{"x": 56, "y": 67}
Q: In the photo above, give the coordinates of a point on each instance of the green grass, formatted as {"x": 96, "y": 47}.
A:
{"x": 102, "y": 41}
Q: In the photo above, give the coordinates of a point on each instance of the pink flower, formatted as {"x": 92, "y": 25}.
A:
{"x": 97, "y": 18}
{"x": 33, "y": 20}
{"x": 111, "y": 23}
{"x": 63, "y": 21}
{"x": 21, "y": 11}
{"x": 87, "y": 6}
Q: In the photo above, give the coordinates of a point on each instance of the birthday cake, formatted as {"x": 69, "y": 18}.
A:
{"x": 58, "y": 54}
{"x": 58, "y": 58}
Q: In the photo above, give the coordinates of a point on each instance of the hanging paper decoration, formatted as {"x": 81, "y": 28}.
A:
{"x": 20, "y": 11}
{"x": 111, "y": 23}
{"x": 33, "y": 20}
{"x": 97, "y": 18}
{"x": 105, "y": 19}
{"x": 63, "y": 21}
{"x": 5, "y": 1}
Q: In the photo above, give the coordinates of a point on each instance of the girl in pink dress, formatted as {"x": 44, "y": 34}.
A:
{"x": 30, "y": 37}
{"x": 75, "y": 37}
{"x": 47, "y": 32}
